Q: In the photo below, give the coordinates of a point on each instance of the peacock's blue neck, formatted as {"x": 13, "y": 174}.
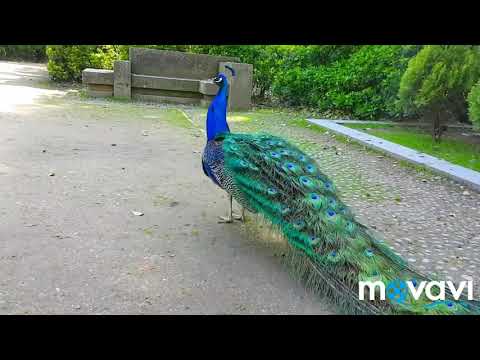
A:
{"x": 217, "y": 114}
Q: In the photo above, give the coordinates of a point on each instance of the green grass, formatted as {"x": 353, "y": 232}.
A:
{"x": 454, "y": 151}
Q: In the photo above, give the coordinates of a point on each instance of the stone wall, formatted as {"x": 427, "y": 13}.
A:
{"x": 175, "y": 64}
{"x": 171, "y": 76}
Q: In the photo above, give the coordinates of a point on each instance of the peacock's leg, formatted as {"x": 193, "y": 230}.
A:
{"x": 240, "y": 217}
{"x": 228, "y": 219}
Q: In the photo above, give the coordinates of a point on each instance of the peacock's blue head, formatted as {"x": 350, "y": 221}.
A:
{"x": 221, "y": 80}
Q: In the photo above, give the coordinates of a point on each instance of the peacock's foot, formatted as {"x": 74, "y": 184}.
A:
{"x": 229, "y": 220}
{"x": 240, "y": 218}
{"x": 225, "y": 220}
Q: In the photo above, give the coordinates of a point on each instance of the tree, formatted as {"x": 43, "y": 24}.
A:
{"x": 474, "y": 105}
{"x": 437, "y": 81}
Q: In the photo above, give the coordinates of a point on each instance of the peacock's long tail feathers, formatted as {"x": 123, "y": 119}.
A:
{"x": 333, "y": 251}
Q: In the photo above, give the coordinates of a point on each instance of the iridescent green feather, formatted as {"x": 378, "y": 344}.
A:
{"x": 332, "y": 250}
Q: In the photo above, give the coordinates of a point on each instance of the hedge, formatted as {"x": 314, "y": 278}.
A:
{"x": 35, "y": 53}
{"x": 474, "y": 105}
{"x": 361, "y": 81}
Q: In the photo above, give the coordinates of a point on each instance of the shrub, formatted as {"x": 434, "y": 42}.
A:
{"x": 474, "y": 105}
{"x": 264, "y": 58}
{"x": 66, "y": 62}
{"x": 438, "y": 79}
{"x": 34, "y": 53}
{"x": 270, "y": 60}
{"x": 361, "y": 81}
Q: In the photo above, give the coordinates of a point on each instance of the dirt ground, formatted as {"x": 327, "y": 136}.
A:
{"x": 72, "y": 174}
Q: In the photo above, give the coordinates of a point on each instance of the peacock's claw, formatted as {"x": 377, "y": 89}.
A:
{"x": 229, "y": 220}
{"x": 240, "y": 218}
{"x": 225, "y": 220}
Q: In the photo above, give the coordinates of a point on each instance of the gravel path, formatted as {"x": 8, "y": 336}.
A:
{"x": 455, "y": 172}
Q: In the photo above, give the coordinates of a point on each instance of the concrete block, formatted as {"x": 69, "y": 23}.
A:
{"x": 164, "y": 83}
{"x": 122, "y": 79}
{"x": 175, "y": 64}
{"x": 171, "y": 76}
{"x": 207, "y": 87}
{"x": 167, "y": 96}
{"x": 241, "y": 86}
{"x": 97, "y": 76}
{"x": 99, "y": 90}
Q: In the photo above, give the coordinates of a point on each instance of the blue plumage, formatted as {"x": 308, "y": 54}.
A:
{"x": 217, "y": 111}
{"x": 212, "y": 160}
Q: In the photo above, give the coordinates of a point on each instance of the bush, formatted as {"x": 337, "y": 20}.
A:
{"x": 474, "y": 105}
{"x": 362, "y": 81}
{"x": 66, "y": 62}
{"x": 269, "y": 60}
{"x": 34, "y": 53}
{"x": 264, "y": 58}
{"x": 438, "y": 79}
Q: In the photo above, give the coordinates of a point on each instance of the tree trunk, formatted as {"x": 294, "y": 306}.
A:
{"x": 461, "y": 112}
{"x": 437, "y": 127}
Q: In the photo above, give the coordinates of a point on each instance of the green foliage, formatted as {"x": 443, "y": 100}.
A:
{"x": 474, "y": 105}
{"x": 361, "y": 81}
{"x": 270, "y": 60}
{"x": 265, "y": 61}
{"x": 104, "y": 56}
{"x": 438, "y": 79}
{"x": 66, "y": 62}
{"x": 34, "y": 53}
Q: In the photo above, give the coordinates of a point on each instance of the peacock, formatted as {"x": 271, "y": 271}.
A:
{"x": 331, "y": 249}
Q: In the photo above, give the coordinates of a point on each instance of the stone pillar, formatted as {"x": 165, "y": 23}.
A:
{"x": 122, "y": 79}
{"x": 240, "y": 96}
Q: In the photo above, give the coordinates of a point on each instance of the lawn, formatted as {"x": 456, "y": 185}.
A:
{"x": 451, "y": 149}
